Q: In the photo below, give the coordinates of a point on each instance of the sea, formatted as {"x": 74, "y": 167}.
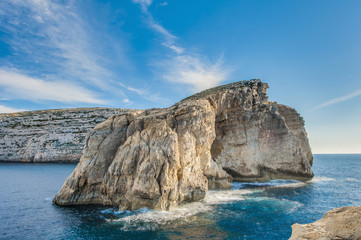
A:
{"x": 247, "y": 211}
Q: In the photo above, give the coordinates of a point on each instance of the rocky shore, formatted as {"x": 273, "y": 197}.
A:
{"x": 48, "y": 135}
{"x": 339, "y": 223}
{"x": 158, "y": 158}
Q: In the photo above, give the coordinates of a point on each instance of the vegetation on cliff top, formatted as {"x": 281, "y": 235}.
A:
{"x": 233, "y": 85}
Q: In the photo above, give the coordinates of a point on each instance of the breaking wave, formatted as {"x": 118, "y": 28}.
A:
{"x": 147, "y": 219}
{"x": 225, "y": 196}
{"x": 321, "y": 179}
{"x": 291, "y": 183}
{"x": 352, "y": 180}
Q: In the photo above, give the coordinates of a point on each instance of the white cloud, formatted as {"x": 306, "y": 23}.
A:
{"x": 176, "y": 49}
{"x": 55, "y": 34}
{"x": 183, "y": 66}
{"x": 144, "y": 4}
{"x": 168, "y": 38}
{"x": 339, "y": 99}
{"x": 146, "y": 94}
{"x": 18, "y": 86}
{"x": 5, "y": 109}
{"x": 193, "y": 71}
{"x": 138, "y": 91}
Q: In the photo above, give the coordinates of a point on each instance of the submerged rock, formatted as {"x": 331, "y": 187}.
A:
{"x": 339, "y": 223}
{"x": 48, "y": 135}
{"x": 157, "y": 158}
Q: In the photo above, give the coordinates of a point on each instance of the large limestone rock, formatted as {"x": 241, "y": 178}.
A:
{"x": 48, "y": 135}
{"x": 339, "y": 223}
{"x": 157, "y": 158}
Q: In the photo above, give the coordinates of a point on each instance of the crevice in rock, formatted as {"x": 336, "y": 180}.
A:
{"x": 245, "y": 138}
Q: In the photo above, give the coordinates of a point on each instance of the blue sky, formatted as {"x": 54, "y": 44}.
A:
{"x": 144, "y": 53}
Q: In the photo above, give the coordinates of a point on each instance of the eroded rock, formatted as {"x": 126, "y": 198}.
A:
{"x": 339, "y": 223}
{"x": 157, "y": 158}
{"x": 48, "y": 135}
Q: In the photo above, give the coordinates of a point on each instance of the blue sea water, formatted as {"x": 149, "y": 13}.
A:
{"x": 247, "y": 211}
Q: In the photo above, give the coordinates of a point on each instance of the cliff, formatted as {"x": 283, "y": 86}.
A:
{"x": 48, "y": 135}
{"x": 338, "y": 223}
{"x": 157, "y": 158}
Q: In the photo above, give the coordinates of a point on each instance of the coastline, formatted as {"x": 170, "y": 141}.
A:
{"x": 77, "y": 161}
{"x": 55, "y": 162}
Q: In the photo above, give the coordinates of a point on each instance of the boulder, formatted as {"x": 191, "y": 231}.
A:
{"x": 158, "y": 158}
{"x": 338, "y": 223}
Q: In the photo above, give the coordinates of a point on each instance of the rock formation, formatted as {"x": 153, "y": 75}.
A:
{"x": 339, "y": 223}
{"x": 48, "y": 135}
{"x": 157, "y": 158}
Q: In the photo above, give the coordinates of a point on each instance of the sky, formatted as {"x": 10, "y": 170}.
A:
{"x": 152, "y": 53}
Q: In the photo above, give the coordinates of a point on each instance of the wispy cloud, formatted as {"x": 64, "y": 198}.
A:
{"x": 339, "y": 100}
{"x": 168, "y": 38}
{"x": 126, "y": 100}
{"x": 184, "y": 66}
{"x": 146, "y": 94}
{"x": 200, "y": 74}
{"x": 136, "y": 90}
{"x": 144, "y": 4}
{"x": 53, "y": 34}
{"x": 5, "y": 109}
{"x": 18, "y": 86}
{"x": 52, "y": 40}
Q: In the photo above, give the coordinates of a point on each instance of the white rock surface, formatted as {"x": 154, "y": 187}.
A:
{"x": 339, "y": 223}
{"x": 48, "y": 135}
{"x": 157, "y": 158}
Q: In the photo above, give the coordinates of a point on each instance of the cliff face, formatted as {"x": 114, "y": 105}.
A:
{"x": 48, "y": 135}
{"x": 338, "y": 223}
{"x": 157, "y": 158}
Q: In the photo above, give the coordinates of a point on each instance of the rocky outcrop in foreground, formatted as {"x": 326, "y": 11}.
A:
{"x": 48, "y": 135}
{"x": 157, "y": 158}
{"x": 339, "y": 223}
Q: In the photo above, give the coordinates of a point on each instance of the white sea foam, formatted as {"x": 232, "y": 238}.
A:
{"x": 276, "y": 184}
{"x": 351, "y": 180}
{"x": 291, "y": 185}
{"x": 108, "y": 211}
{"x": 321, "y": 179}
{"x": 225, "y": 196}
{"x": 146, "y": 219}
{"x": 289, "y": 205}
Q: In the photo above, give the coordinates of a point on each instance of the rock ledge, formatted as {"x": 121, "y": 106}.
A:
{"x": 339, "y": 223}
